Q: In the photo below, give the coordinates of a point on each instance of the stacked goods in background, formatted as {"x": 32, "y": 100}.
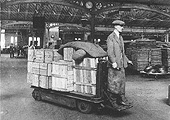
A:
{"x": 140, "y": 58}
{"x": 143, "y": 43}
{"x": 169, "y": 94}
{"x": 166, "y": 57}
{"x": 39, "y": 67}
{"x": 148, "y": 52}
{"x": 156, "y": 56}
{"x": 50, "y": 70}
{"x": 139, "y": 52}
{"x": 128, "y": 52}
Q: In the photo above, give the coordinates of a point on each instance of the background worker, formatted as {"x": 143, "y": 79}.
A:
{"x": 117, "y": 62}
{"x": 11, "y": 51}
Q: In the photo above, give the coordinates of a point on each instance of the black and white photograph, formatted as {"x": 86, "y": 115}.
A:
{"x": 84, "y": 59}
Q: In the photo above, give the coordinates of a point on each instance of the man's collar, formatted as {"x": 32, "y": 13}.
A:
{"x": 116, "y": 32}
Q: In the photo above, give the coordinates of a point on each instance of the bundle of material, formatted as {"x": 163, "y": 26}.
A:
{"x": 156, "y": 69}
{"x": 92, "y": 50}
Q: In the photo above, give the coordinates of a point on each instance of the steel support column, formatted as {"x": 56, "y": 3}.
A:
{"x": 92, "y": 27}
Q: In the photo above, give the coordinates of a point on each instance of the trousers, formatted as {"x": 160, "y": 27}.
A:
{"x": 116, "y": 80}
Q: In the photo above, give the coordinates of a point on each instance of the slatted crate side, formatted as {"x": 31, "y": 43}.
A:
{"x": 168, "y": 53}
{"x": 35, "y": 80}
{"x": 156, "y": 57}
{"x": 33, "y": 67}
{"x": 62, "y": 76}
{"x": 29, "y": 77}
{"x": 90, "y": 89}
{"x": 62, "y": 84}
{"x": 61, "y": 68}
{"x": 78, "y": 75}
{"x": 89, "y": 62}
{"x": 29, "y": 66}
{"x": 78, "y": 87}
{"x": 128, "y": 53}
{"x": 85, "y": 75}
{"x": 46, "y": 69}
{"x": 156, "y": 51}
{"x": 142, "y": 58}
{"x": 156, "y": 63}
{"x": 85, "y": 88}
{"x": 31, "y": 55}
{"x": 45, "y": 81}
{"x": 168, "y": 62}
{"x": 58, "y": 83}
{"x": 68, "y": 53}
{"x": 140, "y": 65}
{"x": 48, "y": 55}
{"x": 140, "y": 55}
{"x": 89, "y": 76}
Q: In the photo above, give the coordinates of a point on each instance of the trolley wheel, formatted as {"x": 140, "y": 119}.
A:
{"x": 36, "y": 95}
{"x": 84, "y": 107}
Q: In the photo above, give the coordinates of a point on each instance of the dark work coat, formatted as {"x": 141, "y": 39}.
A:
{"x": 115, "y": 51}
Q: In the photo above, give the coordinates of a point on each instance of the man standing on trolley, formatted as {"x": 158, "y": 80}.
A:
{"x": 116, "y": 67}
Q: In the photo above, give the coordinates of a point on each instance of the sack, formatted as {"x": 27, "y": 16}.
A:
{"x": 79, "y": 55}
{"x": 156, "y": 69}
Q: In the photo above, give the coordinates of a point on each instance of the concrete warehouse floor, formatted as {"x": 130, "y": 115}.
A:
{"x": 149, "y": 96}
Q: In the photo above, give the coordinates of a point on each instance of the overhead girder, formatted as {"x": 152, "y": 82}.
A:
{"x": 97, "y": 12}
{"x": 58, "y": 2}
{"x": 147, "y": 2}
{"x": 131, "y": 7}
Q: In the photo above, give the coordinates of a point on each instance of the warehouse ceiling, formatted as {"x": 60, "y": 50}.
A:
{"x": 18, "y": 14}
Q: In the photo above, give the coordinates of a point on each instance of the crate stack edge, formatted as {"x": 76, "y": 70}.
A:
{"x": 39, "y": 67}
{"x": 49, "y": 70}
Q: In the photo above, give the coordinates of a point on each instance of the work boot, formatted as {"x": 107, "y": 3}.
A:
{"x": 122, "y": 100}
{"x": 113, "y": 102}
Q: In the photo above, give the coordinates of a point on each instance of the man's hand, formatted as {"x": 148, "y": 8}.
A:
{"x": 114, "y": 65}
{"x": 130, "y": 62}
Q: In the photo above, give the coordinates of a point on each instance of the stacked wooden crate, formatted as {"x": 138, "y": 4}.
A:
{"x": 156, "y": 56}
{"x": 39, "y": 55}
{"x": 140, "y": 58}
{"x": 62, "y": 75}
{"x": 40, "y": 67}
{"x": 85, "y": 76}
{"x": 50, "y": 70}
{"x": 168, "y": 59}
{"x": 62, "y": 71}
{"x": 68, "y": 53}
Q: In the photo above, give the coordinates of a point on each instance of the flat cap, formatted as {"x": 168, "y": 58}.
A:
{"x": 118, "y": 22}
